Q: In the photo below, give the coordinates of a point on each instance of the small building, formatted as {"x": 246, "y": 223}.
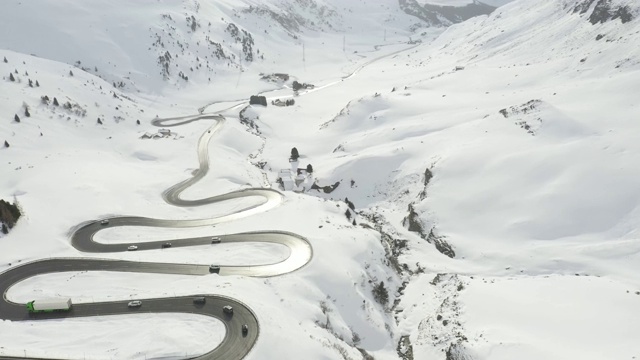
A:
{"x": 287, "y": 181}
{"x": 164, "y": 132}
{"x": 258, "y": 100}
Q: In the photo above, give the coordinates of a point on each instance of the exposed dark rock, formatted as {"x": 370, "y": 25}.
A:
{"x": 326, "y": 189}
{"x": 457, "y": 352}
{"x": 525, "y": 115}
{"x": 603, "y": 11}
{"x": 441, "y": 244}
{"x": 248, "y": 121}
{"x": 412, "y": 221}
{"x": 9, "y": 214}
{"x": 436, "y": 15}
{"x": 404, "y": 348}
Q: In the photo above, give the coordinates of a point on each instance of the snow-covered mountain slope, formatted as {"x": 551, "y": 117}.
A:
{"x": 491, "y": 171}
{"x": 519, "y": 162}
{"x": 185, "y": 43}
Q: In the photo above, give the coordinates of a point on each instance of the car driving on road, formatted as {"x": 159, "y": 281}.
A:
{"x": 214, "y": 268}
{"x": 166, "y": 245}
{"x": 215, "y": 240}
{"x": 135, "y": 303}
{"x": 199, "y": 300}
{"x": 227, "y": 309}
{"x": 245, "y": 328}
{"x": 132, "y": 248}
{"x": 104, "y": 222}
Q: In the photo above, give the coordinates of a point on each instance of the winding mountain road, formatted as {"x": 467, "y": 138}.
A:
{"x": 236, "y": 344}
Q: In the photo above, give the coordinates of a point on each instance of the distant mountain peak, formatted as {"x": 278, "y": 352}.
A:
{"x": 445, "y": 15}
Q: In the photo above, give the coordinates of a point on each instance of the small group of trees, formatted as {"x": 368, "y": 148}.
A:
{"x": 45, "y": 100}
{"x": 13, "y": 78}
{"x": 380, "y": 294}
{"x": 294, "y": 157}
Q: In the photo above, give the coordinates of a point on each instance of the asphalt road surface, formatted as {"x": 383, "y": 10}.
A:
{"x": 236, "y": 344}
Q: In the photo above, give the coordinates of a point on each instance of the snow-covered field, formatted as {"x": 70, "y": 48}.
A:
{"x": 512, "y": 139}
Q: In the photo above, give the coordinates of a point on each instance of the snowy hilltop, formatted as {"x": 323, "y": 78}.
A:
{"x": 389, "y": 179}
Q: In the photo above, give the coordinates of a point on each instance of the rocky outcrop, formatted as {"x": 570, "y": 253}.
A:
{"x": 9, "y": 215}
{"x": 603, "y": 11}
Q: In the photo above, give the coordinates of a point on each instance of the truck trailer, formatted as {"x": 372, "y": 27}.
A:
{"x": 49, "y": 305}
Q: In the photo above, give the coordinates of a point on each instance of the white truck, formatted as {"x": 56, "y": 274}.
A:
{"x": 49, "y": 305}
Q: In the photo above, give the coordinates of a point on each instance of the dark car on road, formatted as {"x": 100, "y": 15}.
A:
{"x": 215, "y": 240}
{"x": 199, "y": 300}
{"x": 245, "y": 329}
{"x": 166, "y": 245}
{"x": 214, "y": 269}
{"x": 227, "y": 309}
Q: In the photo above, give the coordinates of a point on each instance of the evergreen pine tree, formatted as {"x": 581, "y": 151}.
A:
{"x": 16, "y": 118}
{"x": 30, "y": 83}
{"x": 294, "y": 154}
{"x": 11, "y": 77}
{"x": 55, "y": 102}
{"x": 6, "y": 143}
{"x": 138, "y": 122}
{"x": 309, "y": 168}
{"x": 4, "y": 229}
{"x": 70, "y": 73}
{"x": 381, "y": 294}
{"x": 5, "y": 60}
{"x": 37, "y": 83}
{"x": 26, "y": 112}
{"x": 26, "y": 73}
{"x": 99, "y": 121}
